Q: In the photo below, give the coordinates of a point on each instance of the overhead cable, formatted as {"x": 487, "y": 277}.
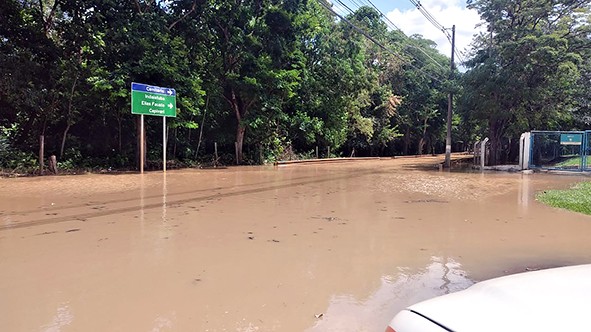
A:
{"x": 416, "y": 47}
{"x": 407, "y": 42}
{"x": 356, "y": 28}
{"x": 437, "y": 25}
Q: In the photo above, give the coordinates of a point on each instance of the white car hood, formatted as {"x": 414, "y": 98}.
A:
{"x": 548, "y": 300}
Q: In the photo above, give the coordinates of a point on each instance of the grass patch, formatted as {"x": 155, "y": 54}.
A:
{"x": 570, "y": 162}
{"x": 577, "y": 198}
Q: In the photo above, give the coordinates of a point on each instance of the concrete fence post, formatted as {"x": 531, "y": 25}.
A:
{"x": 483, "y": 153}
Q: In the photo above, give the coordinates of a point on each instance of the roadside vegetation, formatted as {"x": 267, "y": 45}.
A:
{"x": 266, "y": 79}
{"x": 577, "y": 198}
{"x": 570, "y": 162}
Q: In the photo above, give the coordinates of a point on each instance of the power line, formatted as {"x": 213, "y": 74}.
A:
{"x": 356, "y": 28}
{"x": 437, "y": 25}
{"x": 384, "y": 16}
{"x": 424, "y": 12}
{"x": 343, "y": 4}
{"x": 456, "y": 51}
{"x": 356, "y": 3}
{"x": 393, "y": 26}
{"x": 427, "y": 15}
{"x": 408, "y": 42}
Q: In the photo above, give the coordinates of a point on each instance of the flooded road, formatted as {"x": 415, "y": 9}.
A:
{"x": 267, "y": 248}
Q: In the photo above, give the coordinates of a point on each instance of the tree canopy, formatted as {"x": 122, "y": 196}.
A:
{"x": 273, "y": 79}
{"x": 531, "y": 71}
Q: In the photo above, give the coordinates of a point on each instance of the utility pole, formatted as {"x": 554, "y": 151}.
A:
{"x": 450, "y": 99}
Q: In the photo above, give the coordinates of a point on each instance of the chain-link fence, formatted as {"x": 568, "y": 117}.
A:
{"x": 560, "y": 150}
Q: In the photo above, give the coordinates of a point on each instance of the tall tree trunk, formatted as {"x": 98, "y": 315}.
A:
{"x": 42, "y": 145}
{"x": 239, "y": 142}
{"x": 422, "y": 141}
{"x": 240, "y": 108}
{"x": 406, "y": 141}
{"x": 176, "y": 132}
{"x": 64, "y": 140}
{"x": 496, "y": 131}
{"x": 69, "y": 116}
{"x": 119, "y": 120}
{"x": 41, "y": 153}
{"x": 421, "y": 146}
{"x": 201, "y": 128}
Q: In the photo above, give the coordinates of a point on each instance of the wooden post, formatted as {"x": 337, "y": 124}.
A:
{"x": 53, "y": 164}
{"x": 316, "y": 151}
{"x": 328, "y": 156}
{"x": 215, "y": 150}
{"x": 450, "y": 99}
{"x": 41, "y": 153}
{"x": 236, "y": 149}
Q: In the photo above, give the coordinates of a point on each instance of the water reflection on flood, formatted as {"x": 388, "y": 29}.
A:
{"x": 164, "y": 323}
{"x": 164, "y": 194}
{"x": 62, "y": 318}
{"x": 407, "y": 286}
{"x": 524, "y": 193}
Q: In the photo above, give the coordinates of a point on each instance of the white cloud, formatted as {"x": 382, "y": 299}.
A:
{"x": 447, "y": 13}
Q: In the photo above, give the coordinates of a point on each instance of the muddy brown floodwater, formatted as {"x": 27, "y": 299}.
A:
{"x": 267, "y": 248}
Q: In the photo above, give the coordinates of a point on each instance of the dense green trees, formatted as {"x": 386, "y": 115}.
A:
{"x": 276, "y": 77}
{"x": 531, "y": 71}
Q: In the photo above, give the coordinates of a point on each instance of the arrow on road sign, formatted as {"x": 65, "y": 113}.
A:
{"x": 170, "y": 105}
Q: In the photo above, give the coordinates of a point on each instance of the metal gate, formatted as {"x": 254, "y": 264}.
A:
{"x": 586, "y": 151}
{"x": 560, "y": 150}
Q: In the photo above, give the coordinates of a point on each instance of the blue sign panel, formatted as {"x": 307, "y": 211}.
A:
{"x": 152, "y": 89}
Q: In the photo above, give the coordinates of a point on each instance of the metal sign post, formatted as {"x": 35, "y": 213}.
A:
{"x": 157, "y": 101}
{"x": 142, "y": 144}
{"x": 164, "y": 144}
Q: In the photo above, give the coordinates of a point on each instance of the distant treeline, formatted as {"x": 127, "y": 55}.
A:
{"x": 271, "y": 79}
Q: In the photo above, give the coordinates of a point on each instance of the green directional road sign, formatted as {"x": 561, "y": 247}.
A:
{"x": 152, "y": 100}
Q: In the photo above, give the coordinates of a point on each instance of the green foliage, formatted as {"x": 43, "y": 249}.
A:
{"x": 423, "y": 105}
{"x": 528, "y": 72}
{"x": 19, "y": 161}
{"x": 278, "y": 77}
{"x": 13, "y": 159}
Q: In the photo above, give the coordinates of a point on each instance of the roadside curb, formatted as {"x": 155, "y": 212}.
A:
{"x": 324, "y": 160}
{"x": 345, "y": 159}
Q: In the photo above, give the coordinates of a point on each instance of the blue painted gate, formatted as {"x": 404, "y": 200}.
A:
{"x": 560, "y": 150}
{"x": 586, "y": 151}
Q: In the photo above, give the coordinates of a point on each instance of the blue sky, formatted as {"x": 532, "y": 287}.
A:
{"x": 447, "y": 12}
{"x": 389, "y": 5}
